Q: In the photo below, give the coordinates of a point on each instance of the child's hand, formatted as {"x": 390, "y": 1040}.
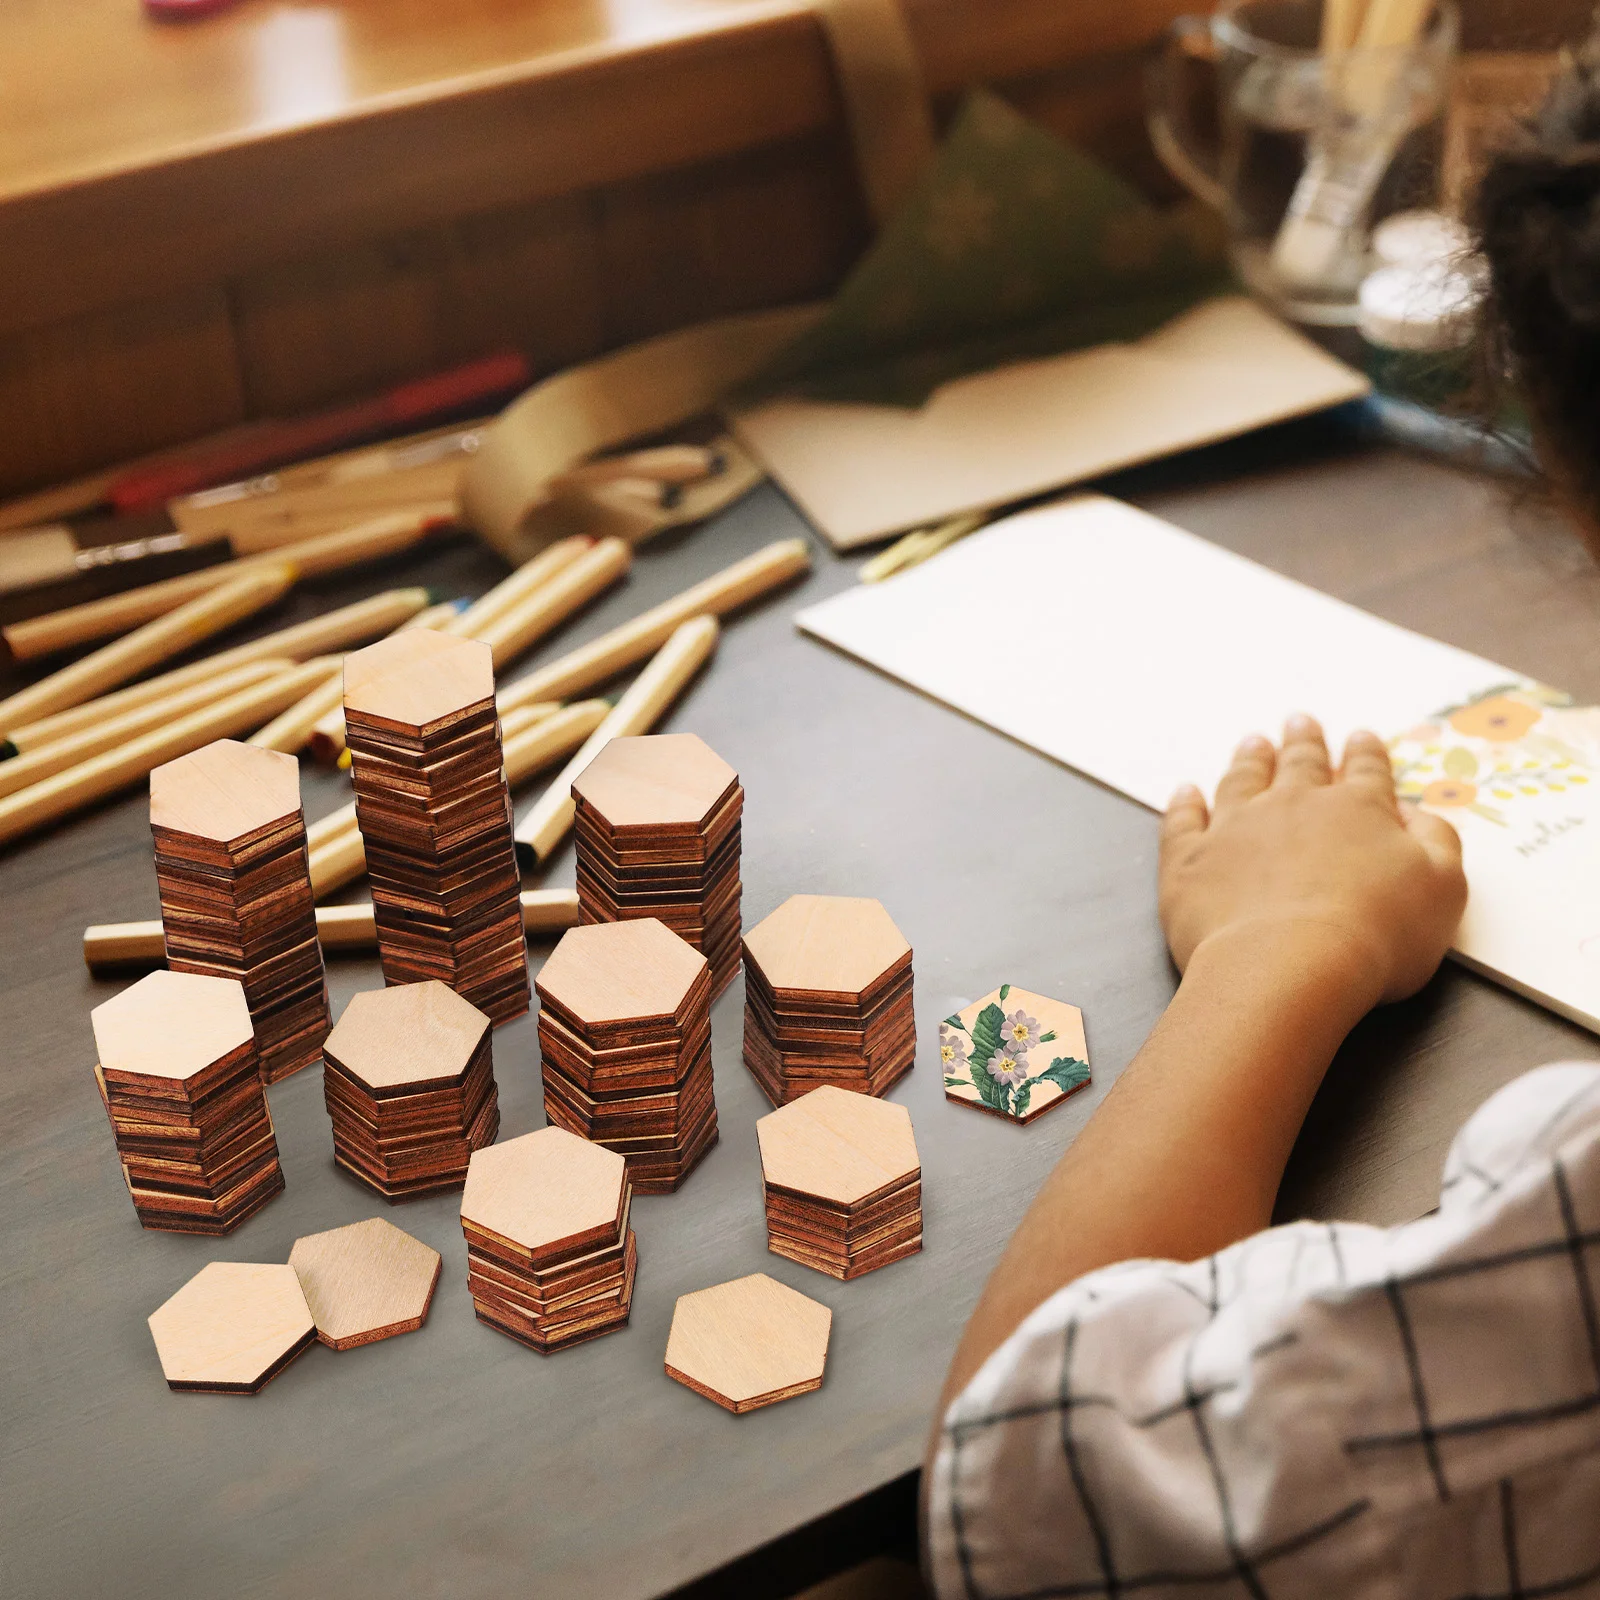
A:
{"x": 1317, "y": 866}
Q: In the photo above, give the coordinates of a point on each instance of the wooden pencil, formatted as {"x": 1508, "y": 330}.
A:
{"x": 109, "y": 945}
{"x": 1392, "y": 24}
{"x": 524, "y": 717}
{"x": 146, "y": 647}
{"x": 525, "y": 580}
{"x": 520, "y": 626}
{"x": 1341, "y": 24}
{"x": 639, "y": 709}
{"x": 332, "y": 631}
{"x": 48, "y": 759}
{"x": 658, "y": 464}
{"x": 66, "y": 792}
{"x": 290, "y": 730}
{"x": 604, "y": 658}
{"x": 336, "y": 862}
{"x": 116, "y": 614}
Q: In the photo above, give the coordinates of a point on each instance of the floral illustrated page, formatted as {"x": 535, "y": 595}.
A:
{"x": 1516, "y": 769}
{"x": 1159, "y": 651}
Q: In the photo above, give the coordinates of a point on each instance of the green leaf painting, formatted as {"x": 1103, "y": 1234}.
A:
{"x": 1066, "y": 1072}
{"x": 1460, "y": 764}
{"x": 1005, "y": 990}
{"x": 985, "y": 1043}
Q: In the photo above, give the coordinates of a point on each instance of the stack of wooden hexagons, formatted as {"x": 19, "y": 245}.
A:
{"x": 625, "y": 1036}
{"x": 180, "y": 1081}
{"x": 409, "y": 1082}
{"x": 236, "y": 891}
{"x": 842, "y": 1182}
{"x": 657, "y": 834}
{"x": 435, "y": 817}
{"x": 550, "y": 1256}
{"x": 827, "y": 998}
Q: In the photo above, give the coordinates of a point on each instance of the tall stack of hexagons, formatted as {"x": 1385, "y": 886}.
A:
{"x": 550, "y": 1256}
{"x": 409, "y": 1083}
{"x": 236, "y": 891}
{"x": 842, "y": 1181}
{"x": 181, "y": 1084}
{"x": 625, "y": 1036}
{"x": 657, "y": 833}
{"x": 435, "y": 817}
{"x": 827, "y": 998}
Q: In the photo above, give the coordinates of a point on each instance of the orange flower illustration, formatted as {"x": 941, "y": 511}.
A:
{"x": 1448, "y": 792}
{"x": 1498, "y": 718}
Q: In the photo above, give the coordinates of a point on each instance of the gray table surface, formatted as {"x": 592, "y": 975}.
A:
{"x": 454, "y": 1462}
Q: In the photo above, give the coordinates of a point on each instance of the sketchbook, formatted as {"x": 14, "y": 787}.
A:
{"x": 1178, "y": 648}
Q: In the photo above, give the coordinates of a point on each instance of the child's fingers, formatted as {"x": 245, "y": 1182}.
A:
{"x": 1436, "y": 836}
{"x": 1185, "y": 816}
{"x": 1303, "y": 761}
{"x": 1249, "y": 775}
{"x": 1366, "y": 765}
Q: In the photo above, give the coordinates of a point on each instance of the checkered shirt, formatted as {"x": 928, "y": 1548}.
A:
{"x": 1330, "y": 1410}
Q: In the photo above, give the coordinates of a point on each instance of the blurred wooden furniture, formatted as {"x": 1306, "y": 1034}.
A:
{"x": 284, "y": 205}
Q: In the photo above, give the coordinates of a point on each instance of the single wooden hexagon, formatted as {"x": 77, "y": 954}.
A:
{"x": 748, "y": 1343}
{"x": 826, "y": 944}
{"x": 655, "y": 780}
{"x": 365, "y": 1282}
{"x": 838, "y": 1146}
{"x": 171, "y": 1025}
{"x": 417, "y": 677}
{"x": 1014, "y": 1054}
{"x": 232, "y": 1328}
{"x": 620, "y": 971}
{"x": 548, "y": 1195}
{"x": 409, "y": 1034}
{"x": 224, "y": 791}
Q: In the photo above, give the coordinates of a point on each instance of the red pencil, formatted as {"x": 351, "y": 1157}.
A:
{"x": 258, "y": 446}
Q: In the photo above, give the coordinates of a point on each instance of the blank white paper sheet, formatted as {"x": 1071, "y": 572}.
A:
{"x": 1140, "y": 655}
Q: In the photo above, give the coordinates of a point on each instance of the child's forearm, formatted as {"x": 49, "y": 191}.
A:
{"x": 1185, "y": 1154}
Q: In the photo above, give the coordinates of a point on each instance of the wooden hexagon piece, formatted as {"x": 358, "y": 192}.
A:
{"x": 827, "y": 945}
{"x": 365, "y": 1282}
{"x": 171, "y": 1025}
{"x": 655, "y": 781}
{"x": 232, "y": 1328}
{"x": 418, "y": 677}
{"x": 838, "y": 1146}
{"x": 224, "y": 791}
{"x": 615, "y": 972}
{"x": 748, "y": 1343}
{"x": 410, "y": 1034}
{"x": 1013, "y": 1054}
{"x": 547, "y": 1197}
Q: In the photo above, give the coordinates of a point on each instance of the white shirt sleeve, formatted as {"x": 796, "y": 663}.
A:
{"x": 1320, "y": 1410}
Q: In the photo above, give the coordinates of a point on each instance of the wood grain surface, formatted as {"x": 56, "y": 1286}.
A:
{"x": 502, "y": 1473}
{"x": 749, "y": 1343}
{"x": 365, "y": 1281}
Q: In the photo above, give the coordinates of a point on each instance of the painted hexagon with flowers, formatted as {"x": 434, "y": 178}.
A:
{"x": 1013, "y": 1054}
